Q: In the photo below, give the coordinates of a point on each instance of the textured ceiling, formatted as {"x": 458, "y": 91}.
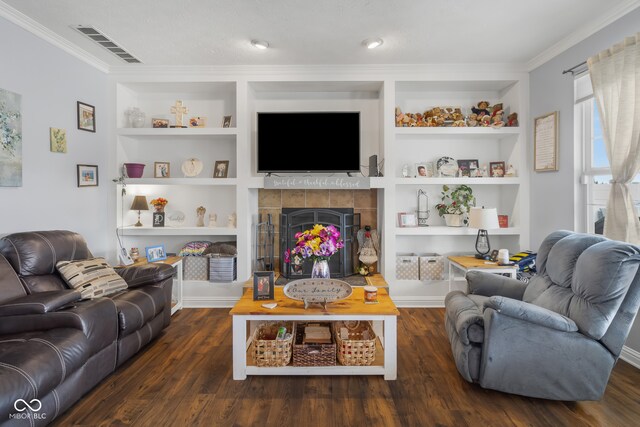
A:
{"x": 211, "y": 32}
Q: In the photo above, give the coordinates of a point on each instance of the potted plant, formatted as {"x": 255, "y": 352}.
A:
{"x": 456, "y": 204}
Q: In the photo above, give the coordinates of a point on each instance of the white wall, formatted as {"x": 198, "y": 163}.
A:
{"x": 51, "y": 82}
{"x": 553, "y": 193}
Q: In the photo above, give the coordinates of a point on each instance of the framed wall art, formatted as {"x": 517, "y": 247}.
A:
{"x": 57, "y": 140}
{"x": 545, "y": 143}
{"x": 86, "y": 117}
{"x": 87, "y": 175}
{"x": 263, "y": 284}
{"x": 221, "y": 169}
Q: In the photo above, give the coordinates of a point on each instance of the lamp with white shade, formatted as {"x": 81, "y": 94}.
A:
{"x": 483, "y": 219}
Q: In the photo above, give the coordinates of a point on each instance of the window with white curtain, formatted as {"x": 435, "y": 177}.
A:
{"x": 596, "y": 172}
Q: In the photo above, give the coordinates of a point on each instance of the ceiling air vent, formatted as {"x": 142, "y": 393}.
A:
{"x": 104, "y": 41}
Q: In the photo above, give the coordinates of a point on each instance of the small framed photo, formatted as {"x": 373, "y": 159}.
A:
{"x": 221, "y": 169}
{"x": 161, "y": 169}
{"x": 503, "y": 221}
{"x": 421, "y": 170}
{"x": 466, "y": 166}
{"x": 226, "y": 122}
{"x": 155, "y": 253}
{"x": 496, "y": 169}
{"x": 198, "y": 122}
{"x": 87, "y": 175}
{"x": 160, "y": 123}
{"x": 494, "y": 255}
{"x": 263, "y": 284}
{"x": 407, "y": 220}
{"x": 86, "y": 117}
{"x": 58, "y": 140}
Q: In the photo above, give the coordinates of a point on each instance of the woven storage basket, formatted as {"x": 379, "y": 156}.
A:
{"x": 312, "y": 354}
{"x": 355, "y": 351}
{"x": 272, "y": 352}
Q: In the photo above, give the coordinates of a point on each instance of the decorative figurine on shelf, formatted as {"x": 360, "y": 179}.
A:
{"x": 512, "y": 120}
{"x": 232, "y": 220}
{"x": 472, "y": 120}
{"x": 135, "y": 116}
{"x": 200, "y": 211}
{"x": 485, "y": 172}
{"x": 134, "y": 253}
{"x": 510, "y": 171}
{"x": 213, "y": 219}
{"x": 179, "y": 110}
{"x": 405, "y": 170}
{"x": 496, "y": 120}
{"x": 485, "y": 121}
{"x": 368, "y": 249}
{"x": 482, "y": 109}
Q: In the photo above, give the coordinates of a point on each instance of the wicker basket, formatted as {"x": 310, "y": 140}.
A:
{"x": 272, "y": 352}
{"x": 312, "y": 354}
{"x": 355, "y": 351}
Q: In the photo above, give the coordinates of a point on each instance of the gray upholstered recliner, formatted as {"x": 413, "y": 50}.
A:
{"x": 558, "y": 337}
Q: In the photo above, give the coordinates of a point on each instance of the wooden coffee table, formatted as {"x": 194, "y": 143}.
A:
{"x": 247, "y": 312}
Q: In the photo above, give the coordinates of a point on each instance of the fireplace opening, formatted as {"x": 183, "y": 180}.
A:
{"x": 295, "y": 220}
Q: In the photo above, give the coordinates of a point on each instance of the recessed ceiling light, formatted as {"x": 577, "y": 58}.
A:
{"x": 259, "y": 44}
{"x": 372, "y": 43}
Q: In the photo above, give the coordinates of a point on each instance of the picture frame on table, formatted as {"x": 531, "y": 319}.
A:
{"x": 161, "y": 170}
{"x": 496, "y": 169}
{"x": 263, "y": 284}
{"x": 466, "y": 166}
{"x": 86, "y": 117}
{"x": 155, "y": 253}
{"x": 160, "y": 123}
{"x": 197, "y": 122}
{"x": 421, "y": 170}
{"x": 221, "y": 169}
{"x": 87, "y": 175}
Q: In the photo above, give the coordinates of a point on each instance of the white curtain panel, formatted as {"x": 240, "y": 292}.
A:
{"x": 615, "y": 76}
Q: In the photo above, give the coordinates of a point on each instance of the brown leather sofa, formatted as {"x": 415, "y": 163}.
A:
{"x": 55, "y": 347}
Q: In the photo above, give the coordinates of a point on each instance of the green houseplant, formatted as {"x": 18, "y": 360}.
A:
{"x": 456, "y": 204}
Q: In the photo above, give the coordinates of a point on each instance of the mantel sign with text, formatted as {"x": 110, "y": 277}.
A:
{"x": 324, "y": 182}
{"x": 317, "y": 290}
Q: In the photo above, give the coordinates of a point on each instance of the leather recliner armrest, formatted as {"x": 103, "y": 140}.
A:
{"x": 144, "y": 274}
{"x": 39, "y": 303}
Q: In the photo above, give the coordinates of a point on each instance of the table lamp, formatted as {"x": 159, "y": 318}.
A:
{"x": 483, "y": 219}
{"x": 139, "y": 204}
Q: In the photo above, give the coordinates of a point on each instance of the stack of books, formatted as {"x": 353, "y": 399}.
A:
{"x": 316, "y": 334}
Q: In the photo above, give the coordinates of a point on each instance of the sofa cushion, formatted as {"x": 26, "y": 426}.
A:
{"x": 138, "y": 306}
{"x": 92, "y": 277}
{"x": 32, "y": 364}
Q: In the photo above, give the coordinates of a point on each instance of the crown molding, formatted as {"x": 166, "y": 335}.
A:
{"x": 582, "y": 33}
{"x": 35, "y": 28}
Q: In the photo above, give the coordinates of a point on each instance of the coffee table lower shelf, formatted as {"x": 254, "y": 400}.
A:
{"x": 376, "y": 368}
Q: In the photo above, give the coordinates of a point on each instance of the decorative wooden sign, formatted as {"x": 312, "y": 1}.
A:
{"x": 317, "y": 290}
{"x": 323, "y": 182}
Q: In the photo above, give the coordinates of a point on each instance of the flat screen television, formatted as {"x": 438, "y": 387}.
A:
{"x": 307, "y": 142}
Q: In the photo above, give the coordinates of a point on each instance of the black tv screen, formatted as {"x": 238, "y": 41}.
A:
{"x": 308, "y": 142}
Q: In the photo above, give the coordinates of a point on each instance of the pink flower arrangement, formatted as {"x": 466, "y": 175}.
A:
{"x": 319, "y": 243}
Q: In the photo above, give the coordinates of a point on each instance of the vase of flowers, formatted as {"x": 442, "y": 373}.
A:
{"x": 317, "y": 244}
{"x": 159, "y": 204}
{"x": 456, "y": 204}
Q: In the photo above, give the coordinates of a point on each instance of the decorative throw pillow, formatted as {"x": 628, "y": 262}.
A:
{"x": 92, "y": 277}
{"x": 195, "y": 248}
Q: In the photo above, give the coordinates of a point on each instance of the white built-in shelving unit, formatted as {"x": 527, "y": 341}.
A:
{"x": 375, "y": 92}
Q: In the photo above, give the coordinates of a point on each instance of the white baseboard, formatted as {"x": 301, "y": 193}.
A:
{"x": 209, "y": 302}
{"x": 630, "y": 356}
{"x": 419, "y": 302}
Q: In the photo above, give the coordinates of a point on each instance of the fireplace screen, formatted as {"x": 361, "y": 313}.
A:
{"x": 295, "y": 220}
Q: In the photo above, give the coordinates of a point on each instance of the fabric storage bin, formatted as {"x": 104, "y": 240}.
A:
{"x": 431, "y": 267}
{"x": 195, "y": 268}
{"x": 312, "y": 354}
{"x": 407, "y": 267}
{"x": 223, "y": 268}
{"x": 356, "y": 344}
{"x": 267, "y": 350}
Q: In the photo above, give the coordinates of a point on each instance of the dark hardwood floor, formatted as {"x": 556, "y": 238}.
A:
{"x": 184, "y": 378}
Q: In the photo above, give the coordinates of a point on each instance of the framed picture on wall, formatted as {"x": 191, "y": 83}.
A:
{"x": 545, "y": 143}
{"x": 86, "y": 117}
{"x": 87, "y": 175}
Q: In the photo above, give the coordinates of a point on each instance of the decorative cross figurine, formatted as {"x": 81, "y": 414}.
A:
{"x": 179, "y": 110}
